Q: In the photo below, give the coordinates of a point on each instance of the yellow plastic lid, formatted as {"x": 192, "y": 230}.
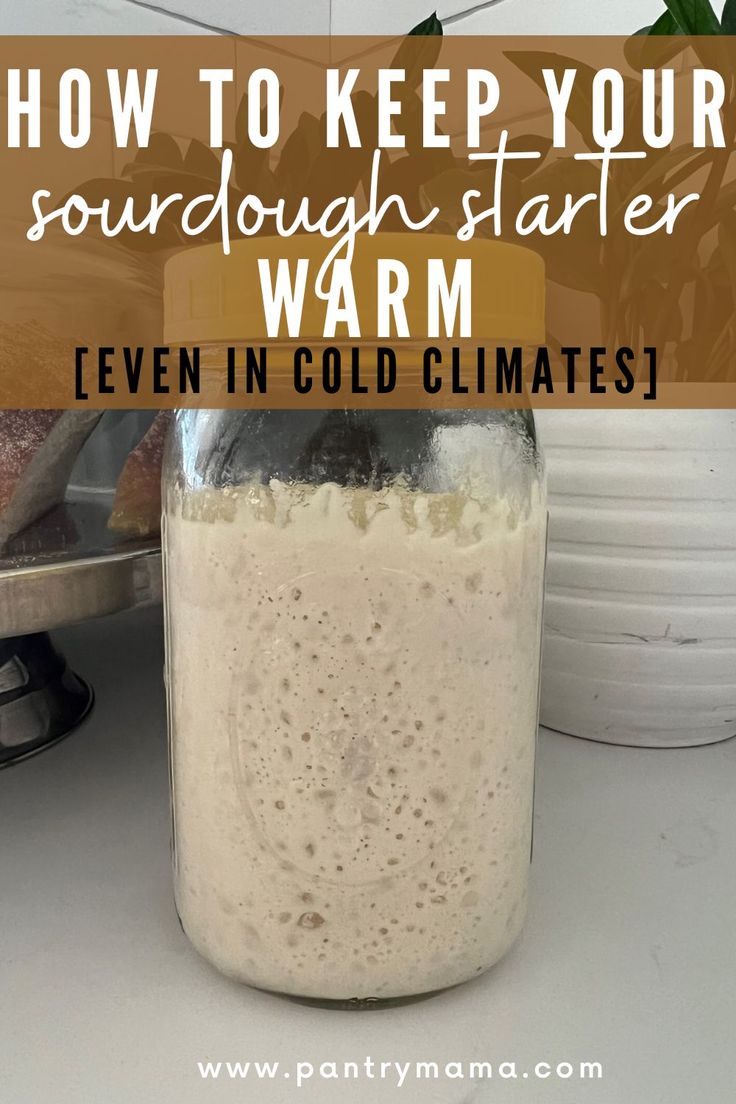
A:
{"x": 212, "y": 297}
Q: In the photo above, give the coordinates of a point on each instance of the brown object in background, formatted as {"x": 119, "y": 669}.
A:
{"x": 38, "y": 449}
{"x": 136, "y": 510}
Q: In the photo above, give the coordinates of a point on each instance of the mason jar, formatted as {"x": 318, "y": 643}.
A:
{"x": 353, "y": 603}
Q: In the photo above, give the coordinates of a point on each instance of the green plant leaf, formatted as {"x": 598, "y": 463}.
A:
{"x": 728, "y": 19}
{"x": 429, "y": 26}
{"x": 641, "y": 52}
{"x": 251, "y": 162}
{"x": 694, "y": 17}
{"x": 657, "y": 306}
{"x": 727, "y": 244}
{"x": 666, "y": 25}
{"x": 654, "y": 174}
{"x": 202, "y": 161}
{"x": 526, "y": 143}
{"x": 412, "y": 57}
{"x": 665, "y": 254}
{"x": 300, "y": 151}
{"x": 162, "y": 149}
{"x": 580, "y": 111}
{"x": 567, "y": 262}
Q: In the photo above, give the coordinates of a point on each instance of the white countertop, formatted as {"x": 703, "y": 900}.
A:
{"x": 628, "y": 957}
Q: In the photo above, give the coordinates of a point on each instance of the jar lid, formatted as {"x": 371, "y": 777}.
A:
{"x": 213, "y": 297}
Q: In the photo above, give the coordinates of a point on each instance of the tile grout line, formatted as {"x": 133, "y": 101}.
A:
{"x": 271, "y": 45}
{"x": 329, "y": 30}
{"x": 449, "y": 20}
{"x": 457, "y": 17}
{"x": 225, "y": 31}
{"x": 177, "y": 17}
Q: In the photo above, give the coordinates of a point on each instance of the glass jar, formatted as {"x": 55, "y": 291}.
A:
{"x": 353, "y": 632}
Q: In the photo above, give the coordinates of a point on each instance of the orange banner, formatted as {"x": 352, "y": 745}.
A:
{"x": 367, "y": 222}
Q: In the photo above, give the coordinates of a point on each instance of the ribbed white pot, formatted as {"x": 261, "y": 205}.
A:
{"x": 640, "y": 620}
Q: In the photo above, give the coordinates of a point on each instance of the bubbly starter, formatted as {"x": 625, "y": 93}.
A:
{"x": 353, "y": 685}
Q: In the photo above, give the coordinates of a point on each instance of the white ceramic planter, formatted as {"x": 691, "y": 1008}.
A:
{"x": 640, "y": 622}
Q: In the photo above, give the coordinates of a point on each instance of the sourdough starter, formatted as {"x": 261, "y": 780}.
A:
{"x": 353, "y": 693}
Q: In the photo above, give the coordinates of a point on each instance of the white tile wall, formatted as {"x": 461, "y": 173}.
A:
{"x": 312, "y": 17}
{"x": 389, "y": 17}
{"x": 58, "y": 17}
{"x": 563, "y": 17}
{"x": 256, "y": 17}
{"x": 516, "y": 17}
